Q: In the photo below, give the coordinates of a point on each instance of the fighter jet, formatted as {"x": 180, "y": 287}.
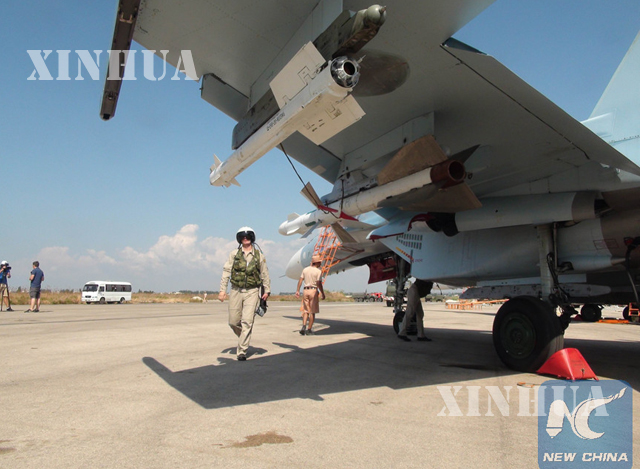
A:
{"x": 445, "y": 165}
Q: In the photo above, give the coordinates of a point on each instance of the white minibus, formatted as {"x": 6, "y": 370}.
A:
{"x": 102, "y": 291}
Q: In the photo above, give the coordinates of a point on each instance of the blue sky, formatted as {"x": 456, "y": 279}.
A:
{"x": 129, "y": 199}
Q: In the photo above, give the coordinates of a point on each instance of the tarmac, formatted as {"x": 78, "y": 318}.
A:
{"x": 158, "y": 386}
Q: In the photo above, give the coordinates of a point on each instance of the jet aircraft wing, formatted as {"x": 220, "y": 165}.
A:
{"x": 416, "y": 81}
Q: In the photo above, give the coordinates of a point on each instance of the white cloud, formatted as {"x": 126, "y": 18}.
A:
{"x": 174, "y": 262}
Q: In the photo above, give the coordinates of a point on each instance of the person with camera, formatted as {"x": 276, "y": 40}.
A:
{"x": 5, "y": 274}
{"x": 247, "y": 270}
{"x": 36, "y": 279}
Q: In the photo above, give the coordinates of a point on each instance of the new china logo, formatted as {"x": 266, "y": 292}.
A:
{"x": 585, "y": 424}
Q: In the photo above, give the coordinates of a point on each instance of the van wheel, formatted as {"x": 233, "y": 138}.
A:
{"x": 121, "y": 300}
{"x": 102, "y": 300}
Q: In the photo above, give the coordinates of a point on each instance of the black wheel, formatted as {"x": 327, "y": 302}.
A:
{"x": 102, "y": 300}
{"x": 590, "y": 313}
{"x": 625, "y": 313}
{"x": 526, "y": 332}
{"x": 372, "y": 299}
{"x": 389, "y": 303}
{"x": 397, "y": 322}
{"x": 121, "y": 300}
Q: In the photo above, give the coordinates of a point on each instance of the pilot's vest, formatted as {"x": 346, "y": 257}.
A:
{"x": 243, "y": 275}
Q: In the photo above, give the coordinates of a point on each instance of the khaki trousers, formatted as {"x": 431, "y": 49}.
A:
{"x": 242, "y": 311}
{"x": 413, "y": 311}
{"x": 310, "y": 301}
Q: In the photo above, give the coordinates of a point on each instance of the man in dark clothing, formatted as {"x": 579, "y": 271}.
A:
{"x": 36, "y": 278}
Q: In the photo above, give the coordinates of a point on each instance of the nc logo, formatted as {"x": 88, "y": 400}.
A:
{"x": 579, "y": 418}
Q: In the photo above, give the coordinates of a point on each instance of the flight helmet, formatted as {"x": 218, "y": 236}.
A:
{"x": 245, "y": 231}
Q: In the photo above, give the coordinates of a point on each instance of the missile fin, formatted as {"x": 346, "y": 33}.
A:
{"x": 216, "y": 162}
{"x": 309, "y": 231}
{"x": 342, "y": 234}
{"x": 292, "y": 216}
{"x": 342, "y": 113}
{"x": 296, "y": 74}
{"x": 311, "y": 195}
{"x": 451, "y": 200}
{"x": 411, "y": 158}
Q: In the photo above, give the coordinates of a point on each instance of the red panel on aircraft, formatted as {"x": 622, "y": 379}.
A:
{"x": 382, "y": 270}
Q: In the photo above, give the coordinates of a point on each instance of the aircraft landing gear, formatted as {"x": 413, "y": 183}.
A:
{"x": 591, "y": 313}
{"x": 403, "y": 271}
{"x": 412, "y": 329}
{"x": 526, "y": 332}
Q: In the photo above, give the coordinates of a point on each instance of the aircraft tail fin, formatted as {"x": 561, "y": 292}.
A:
{"x": 616, "y": 117}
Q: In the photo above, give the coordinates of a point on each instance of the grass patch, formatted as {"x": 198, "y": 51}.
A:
{"x": 48, "y": 297}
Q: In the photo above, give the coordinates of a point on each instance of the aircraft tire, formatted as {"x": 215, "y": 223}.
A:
{"x": 397, "y": 321}
{"x": 590, "y": 313}
{"x": 526, "y": 332}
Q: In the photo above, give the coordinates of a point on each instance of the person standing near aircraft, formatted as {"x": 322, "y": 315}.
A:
{"x": 247, "y": 270}
{"x": 5, "y": 273}
{"x": 36, "y": 278}
{"x": 419, "y": 289}
{"x": 312, "y": 278}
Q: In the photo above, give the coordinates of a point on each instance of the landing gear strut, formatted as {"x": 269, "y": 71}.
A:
{"x": 403, "y": 273}
{"x": 526, "y": 330}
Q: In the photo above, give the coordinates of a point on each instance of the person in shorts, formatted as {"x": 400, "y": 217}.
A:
{"x": 312, "y": 278}
{"x": 36, "y": 278}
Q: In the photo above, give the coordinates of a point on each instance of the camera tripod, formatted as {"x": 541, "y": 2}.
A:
{"x": 8, "y": 299}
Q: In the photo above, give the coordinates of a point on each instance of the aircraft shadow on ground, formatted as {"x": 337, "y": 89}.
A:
{"x": 377, "y": 360}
